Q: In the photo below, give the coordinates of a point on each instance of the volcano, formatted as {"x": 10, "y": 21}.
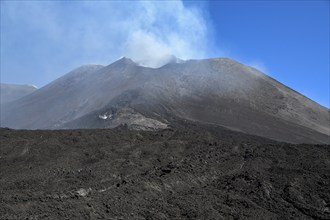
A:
{"x": 217, "y": 91}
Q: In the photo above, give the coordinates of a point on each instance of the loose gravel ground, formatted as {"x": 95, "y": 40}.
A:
{"x": 191, "y": 172}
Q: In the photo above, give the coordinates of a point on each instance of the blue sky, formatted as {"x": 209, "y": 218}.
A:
{"x": 289, "y": 40}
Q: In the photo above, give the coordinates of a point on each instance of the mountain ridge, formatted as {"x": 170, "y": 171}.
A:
{"x": 217, "y": 90}
{"x": 11, "y": 92}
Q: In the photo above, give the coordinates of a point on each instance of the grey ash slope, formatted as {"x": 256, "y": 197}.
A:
{"x": 12, "y": 92}
{"x": 50, "y": 104}
{"x": 215, "y": 91}
{"x": 223, "y": 92}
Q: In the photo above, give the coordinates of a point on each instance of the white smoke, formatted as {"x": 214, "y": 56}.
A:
{"x": 165, "y": 29}
{"x": 73, "y": 33}
{"x": 258, "y": 65}
{"x": 147, "y": 50}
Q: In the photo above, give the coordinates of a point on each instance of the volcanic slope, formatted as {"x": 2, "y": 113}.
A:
{"x": 12, "y": 92}
{"x": 52, "y": 104}
{"x": 212, "y": 91}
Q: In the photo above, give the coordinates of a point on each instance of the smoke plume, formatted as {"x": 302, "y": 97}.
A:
{"x": 54, "y": 37}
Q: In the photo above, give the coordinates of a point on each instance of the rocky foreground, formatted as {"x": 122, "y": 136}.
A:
{"x": 188, "y": 172}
